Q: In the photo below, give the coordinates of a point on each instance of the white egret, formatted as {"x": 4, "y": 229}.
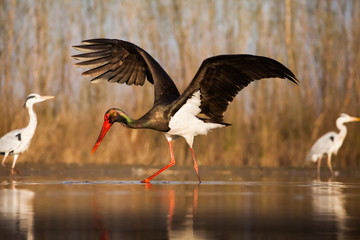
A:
{"x": 330, "y": 142}
{"x": 18, "y": 141}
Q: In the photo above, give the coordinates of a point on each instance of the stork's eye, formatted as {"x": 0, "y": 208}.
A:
{"x": 107, "y": 116}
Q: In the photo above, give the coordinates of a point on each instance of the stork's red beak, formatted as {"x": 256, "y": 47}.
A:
{"x": 106, "y": 126}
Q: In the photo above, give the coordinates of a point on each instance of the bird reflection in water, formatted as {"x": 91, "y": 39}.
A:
{"x": 17, "y": 212}
{"x": 99, "y": 224}
{"x": 328, "y": 202}
{"x": 131, "y": 220}
{"x": 191, "y": 210}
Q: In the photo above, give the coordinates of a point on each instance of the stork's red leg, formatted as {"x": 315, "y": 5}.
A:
{"x": 195, "y": 165}
{"x": 172, "y": 162}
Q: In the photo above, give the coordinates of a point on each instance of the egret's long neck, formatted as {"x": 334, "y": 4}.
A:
{"x": 33, "y": 120}
{"x": 340, "y": 125}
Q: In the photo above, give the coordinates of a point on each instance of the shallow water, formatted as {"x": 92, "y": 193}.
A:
{"x": 254, "y": 204}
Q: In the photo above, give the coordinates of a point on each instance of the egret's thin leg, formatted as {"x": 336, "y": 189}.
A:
{"x": 13, "y": 170}
{"x": 329, "y": 164}
{"x": 15, "y": 158}
{"x": 318, "y": 166}
{"x": 172, "y": 162}
{"x": 195, "y": 165}
{"x": 3, "y": 161}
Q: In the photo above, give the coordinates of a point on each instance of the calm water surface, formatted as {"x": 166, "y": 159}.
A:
{"x": 227, "y": 205}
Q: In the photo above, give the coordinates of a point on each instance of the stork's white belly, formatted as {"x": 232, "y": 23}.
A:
{"x": 184, "y": 123}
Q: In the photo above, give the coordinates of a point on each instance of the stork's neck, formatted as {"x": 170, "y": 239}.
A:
{"x": 33, "y": 120}
{"x": 154, "y": 119}
{"x": 133, "y": 123}
{"x": 340, "y": 125}
{"x": 124, "y": 119}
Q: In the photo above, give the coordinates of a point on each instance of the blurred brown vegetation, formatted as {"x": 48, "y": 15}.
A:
{"x": 274, "y": 121}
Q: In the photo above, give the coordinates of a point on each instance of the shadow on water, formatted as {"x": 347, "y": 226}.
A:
{"x": 265, "y": 205}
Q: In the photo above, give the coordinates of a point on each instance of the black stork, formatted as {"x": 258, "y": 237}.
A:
{"x": 215, "y": 84}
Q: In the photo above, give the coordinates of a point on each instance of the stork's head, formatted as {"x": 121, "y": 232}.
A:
{"x": 111, "y": 116}
{"x": 344, "y": 118}
{"x": 35, "y": 98}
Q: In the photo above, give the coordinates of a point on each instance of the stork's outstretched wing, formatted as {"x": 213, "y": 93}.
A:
{"x": 119, "y": 61}
{"x": 220, "y": 78}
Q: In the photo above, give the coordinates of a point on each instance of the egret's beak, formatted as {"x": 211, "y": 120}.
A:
{"x": 106, "y": 126}
{"x": 43, "y": 98}
{"x": 355, "y": 119}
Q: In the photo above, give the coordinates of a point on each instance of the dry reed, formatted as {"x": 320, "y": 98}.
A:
{"x": 274, "y": 121}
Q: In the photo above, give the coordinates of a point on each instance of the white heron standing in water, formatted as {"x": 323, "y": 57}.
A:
{"x": 330, "y": 142}
{"x": 18, "y": 141}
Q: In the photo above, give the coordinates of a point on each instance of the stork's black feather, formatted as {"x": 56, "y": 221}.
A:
{"x": 123, "y": 62}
